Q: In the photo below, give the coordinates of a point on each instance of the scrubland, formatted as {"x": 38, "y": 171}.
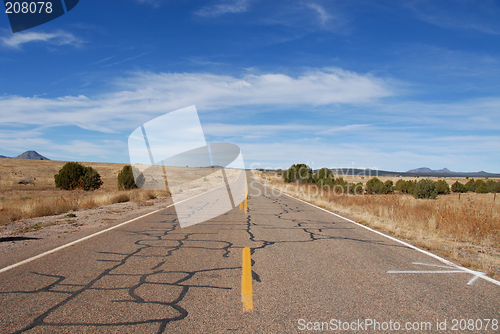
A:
{"x": 19, "y": 201}
{"x": 465, "y": 229}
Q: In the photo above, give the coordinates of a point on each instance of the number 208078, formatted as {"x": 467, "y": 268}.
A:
{"x": 28, "y": 7}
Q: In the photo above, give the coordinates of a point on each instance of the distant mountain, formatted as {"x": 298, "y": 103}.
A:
{"x": 4, "y": 157}
{"x": 31, "y": 155}
{"x": 426, "y": 170}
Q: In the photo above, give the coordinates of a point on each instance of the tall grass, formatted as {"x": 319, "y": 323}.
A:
{"x": 20, "y": 205}
{"x": 469, "y": 220}
{"x": 466, "y": 230}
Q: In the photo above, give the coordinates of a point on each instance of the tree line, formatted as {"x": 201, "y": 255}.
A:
{"x": 424, "y": 188}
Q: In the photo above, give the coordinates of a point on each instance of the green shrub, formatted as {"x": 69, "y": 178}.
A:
{"x": 91, "y": 179}
{"x": 493, "y": 187}
{"x": 324, "y": 177}
{"x": 375, "y": 186}
{"x": 126, "y": 179}
{"x": 442, "y": 187}
{"x": 69, "y": 176}
{"x": 480, "y": 187}
{"x": 279, "y": 171}
{"x": 389, "y": 187}
{"x": 477, "y": 186}
{"x": 73, "y": 175}
{"x": 356, "y": 188}
{"x": 405, "y": 187}
{"x": 471, "y": 185}
{"x": 298, "y": 172}
{"x": 425, "y": 189}
{"x": 458, "y": 187}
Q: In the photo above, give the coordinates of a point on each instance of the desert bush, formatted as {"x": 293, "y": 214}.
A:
{"x": 91, "y": 179}
{"x": 69, "y": 176}
{"x": 458, "y": 187}
{"x": 405, "y": 187}
{"x": 73, "y": 175}
{"x": 279, "y": 171}
{"x": 425, "y": 189}
{"x": 324, "y": 177}
{"x": 126, "y": 179}
{"x": 389, "y": 186}
{"x": 375, "y": 186}
{"x": 480, "y": 187}
{"x": 493, "y": 187}
{"x": 471, "y": 185}
{"x": 355, "y": 188}
{"x": 442, "y": 187}
{"x": 298, "y": 172}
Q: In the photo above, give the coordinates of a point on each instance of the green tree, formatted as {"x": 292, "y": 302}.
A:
{"x": 324, "y": 177}
{"x": 73, "y": 175}
{"x": 298, "y": 172}
{"x": 493, "y": 186}
{"x": 69, "y": 176}
{"x": 471, "y": 185}
{"x": 126, "y": 179}
{"x": 279, "y": 171}
{"x": 91, "y": 179}
{"x": 388, "y": 187}
{"x": 458, "y": 187}
{"x": 425, "y": 189}
{"x": 442, "y": 187}
{"x": 375, "y": 186}
{"x": 405, "y": 187}
{"x": 480, "y": 187}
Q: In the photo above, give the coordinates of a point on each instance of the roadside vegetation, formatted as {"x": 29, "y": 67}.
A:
{"x": 60, "y": 187}
{"x": 461, "y": 221}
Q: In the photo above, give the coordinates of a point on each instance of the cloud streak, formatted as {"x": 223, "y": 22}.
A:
{"x": 15, "y": 41}
{"x": 146, "y": 94}
{"x": 239, "y": 6}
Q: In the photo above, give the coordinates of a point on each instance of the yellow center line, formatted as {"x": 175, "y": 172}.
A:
{"x": 246, "y": 281}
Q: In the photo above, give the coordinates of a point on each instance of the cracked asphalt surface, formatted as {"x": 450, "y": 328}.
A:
{"x": 151, "y": 276}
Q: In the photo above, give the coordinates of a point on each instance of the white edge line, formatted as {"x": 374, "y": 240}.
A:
{"x": 76, "y": 241}
{"x": 487, "y": 278}
{"x": 12, "y": 266}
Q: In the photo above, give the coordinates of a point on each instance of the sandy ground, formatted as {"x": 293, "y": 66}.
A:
{"x": 43, "y": 230}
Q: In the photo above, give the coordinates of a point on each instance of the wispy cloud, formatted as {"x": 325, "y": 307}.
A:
{"x": 124, "y": 60}
{"x": 154, "y": 3}
{"x": 59, "y": 37}
{"x": 146, "y": 93}
{"x": 238, "y": 6}
{"x": 459, "y": 15}
{"x": 323, "y": 15}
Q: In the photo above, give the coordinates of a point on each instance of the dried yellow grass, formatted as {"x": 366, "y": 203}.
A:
{"x": 19, "y": 201}
{"x": 466, "y": 230}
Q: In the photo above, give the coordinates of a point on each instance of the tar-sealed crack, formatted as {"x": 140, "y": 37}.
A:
{"x": 158, "y": 246}
{"x": 179, "y": 286}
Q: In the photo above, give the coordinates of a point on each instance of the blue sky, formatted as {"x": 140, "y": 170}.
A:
{"x": 392, "y": 85}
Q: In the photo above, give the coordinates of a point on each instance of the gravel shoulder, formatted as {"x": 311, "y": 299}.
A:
{"x": 29, "y": 237}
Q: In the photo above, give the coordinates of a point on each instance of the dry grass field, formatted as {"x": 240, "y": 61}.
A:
{"x": 18, "y": 201}
{"x": 466, "y": 230}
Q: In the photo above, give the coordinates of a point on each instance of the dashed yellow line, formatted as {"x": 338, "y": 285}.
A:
{"x": 246, "y": 281}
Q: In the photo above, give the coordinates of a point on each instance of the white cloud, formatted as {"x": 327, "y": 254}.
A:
{"x": 55, "y": 38}
{"x": 459, "y": 15}
{"x": 145, "y": 94}
{"x": 322, "y": 13}
{"x": 239, "y": 6}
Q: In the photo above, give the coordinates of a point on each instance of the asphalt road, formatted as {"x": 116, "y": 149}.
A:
{"x": 311, "y": 270}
